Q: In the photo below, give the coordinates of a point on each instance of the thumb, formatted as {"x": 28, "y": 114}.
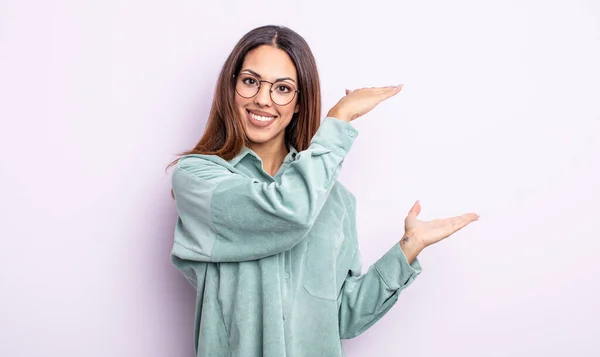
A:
{"x": 415, "y": 210}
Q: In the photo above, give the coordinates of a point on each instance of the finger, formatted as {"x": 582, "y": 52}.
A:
{"x": 415, "y": 210}
{"x": 390, "y": 88}
{"x": 395, "y": 89}
{"x": 388, "y": 92}
{"x": 377, "y": 90}
{"x": 385, "y": 90}
{"x": 470, "y": 216}
{"x": 460, "y": 222}
{"x": 466, "y": 216}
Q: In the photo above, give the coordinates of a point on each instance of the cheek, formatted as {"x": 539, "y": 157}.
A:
{"x": 288, "y": 111}
{"x": 289, "y": 115}
{"x": 240, "y": 102}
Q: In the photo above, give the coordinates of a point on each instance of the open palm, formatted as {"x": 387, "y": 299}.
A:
{"x": 430, "y": 232}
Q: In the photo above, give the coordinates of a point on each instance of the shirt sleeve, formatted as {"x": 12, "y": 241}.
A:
{"x": 226, "y": 216}
{"x": 364, "y": 299}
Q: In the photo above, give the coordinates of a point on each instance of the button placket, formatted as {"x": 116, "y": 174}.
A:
{"x": 286, "y": 283}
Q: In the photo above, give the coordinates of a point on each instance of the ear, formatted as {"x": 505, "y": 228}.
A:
{"x": 297, "y": 108}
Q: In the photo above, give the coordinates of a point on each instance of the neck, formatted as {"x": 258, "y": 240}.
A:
{"x": 271, "y": 154}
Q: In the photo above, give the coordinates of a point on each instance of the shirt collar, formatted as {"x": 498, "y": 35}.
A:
{"x": 291, "y": 156}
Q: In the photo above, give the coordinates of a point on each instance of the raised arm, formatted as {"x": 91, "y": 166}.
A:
{"x": 227, "y": 216}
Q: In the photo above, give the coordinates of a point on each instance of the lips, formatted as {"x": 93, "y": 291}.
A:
{"x": 260, "y": 119}
{"x": 261, "y": 113}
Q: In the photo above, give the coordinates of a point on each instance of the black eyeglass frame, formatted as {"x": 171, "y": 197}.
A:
{"x": 296, "y": 91}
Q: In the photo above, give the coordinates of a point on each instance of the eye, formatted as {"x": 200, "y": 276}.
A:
{"x": 283, "y": 88}
{"x": 251, "y": 81}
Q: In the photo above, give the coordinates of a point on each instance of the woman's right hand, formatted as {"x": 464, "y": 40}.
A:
{"x": 360, "y": 101}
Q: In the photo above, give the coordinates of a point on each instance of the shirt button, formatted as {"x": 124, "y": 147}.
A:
{"x": 287, "y": 275}
{"x": 350, "y": 133}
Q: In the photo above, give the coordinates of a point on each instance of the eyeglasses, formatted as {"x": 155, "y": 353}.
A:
{"x": 281, "y": 92}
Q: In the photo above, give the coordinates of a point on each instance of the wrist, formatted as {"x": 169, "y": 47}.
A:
{"x": 334, "y": 113}
{"x": 411, "y": 246}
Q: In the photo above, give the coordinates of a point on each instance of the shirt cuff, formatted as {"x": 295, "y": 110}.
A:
{"x": 335, "y": 134}
{"x": 394, "y": 269}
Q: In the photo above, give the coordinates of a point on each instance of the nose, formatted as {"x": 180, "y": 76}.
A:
{"x": 263, "y": 97}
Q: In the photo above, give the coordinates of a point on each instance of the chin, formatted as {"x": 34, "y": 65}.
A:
{"x": 259, "y": 139}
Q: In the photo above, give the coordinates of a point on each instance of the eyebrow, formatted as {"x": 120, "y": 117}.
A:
{"x": 259, "y": 76}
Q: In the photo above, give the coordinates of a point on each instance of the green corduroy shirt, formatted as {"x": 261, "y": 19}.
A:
{"x": 275, "y": 260}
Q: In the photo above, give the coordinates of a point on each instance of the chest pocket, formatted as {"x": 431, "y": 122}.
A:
{"x": 320, "y": 263}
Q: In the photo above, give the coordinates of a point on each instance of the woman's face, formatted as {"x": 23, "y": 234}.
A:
{"x": 264, "y": 120}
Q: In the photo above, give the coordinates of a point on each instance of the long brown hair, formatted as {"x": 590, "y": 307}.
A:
{"x": 224, "y": 134}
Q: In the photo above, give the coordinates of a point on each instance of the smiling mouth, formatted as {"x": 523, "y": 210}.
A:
{"x": 260, "y": 117}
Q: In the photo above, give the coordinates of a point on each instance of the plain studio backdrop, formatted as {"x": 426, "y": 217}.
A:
{"x": 500, "y": 115}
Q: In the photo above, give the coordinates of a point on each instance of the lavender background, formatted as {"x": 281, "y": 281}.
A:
{"x": 500, "y": 115}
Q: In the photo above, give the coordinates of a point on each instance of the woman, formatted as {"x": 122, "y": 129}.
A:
{"x": 266, "y": 234}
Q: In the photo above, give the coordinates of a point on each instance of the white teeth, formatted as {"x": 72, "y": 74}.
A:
{"x": 261, "y": 118}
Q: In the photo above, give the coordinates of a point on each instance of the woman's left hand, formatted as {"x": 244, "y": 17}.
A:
{"x": 430, "y": 232}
